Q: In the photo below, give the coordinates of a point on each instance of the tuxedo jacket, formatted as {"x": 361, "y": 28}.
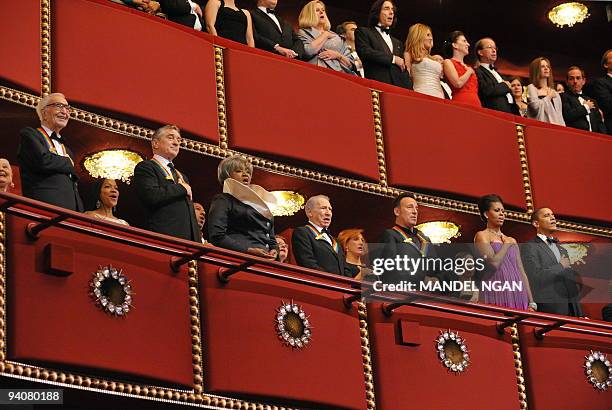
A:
{"x": 493, "y": 94}
{"x": 168, "y": 209}
{"x": 575, "y": 113}
{"x": 377, "y": 59}
{"x": 394, "y": 244}
{"x": 234, "y": 225}
{"x": 601, "y": 90}
{"x": 46, "y": 176}
{"x": 267, "y": 34}
{"x": 179, "y": 11}
{"x": 554, "y": 288}
{"x": 317, "y": 254}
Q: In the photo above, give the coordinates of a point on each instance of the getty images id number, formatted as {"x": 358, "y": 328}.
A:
{"x": 31, "y": 396}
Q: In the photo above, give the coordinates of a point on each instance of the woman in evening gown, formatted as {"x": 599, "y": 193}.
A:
{"x": 461, "y": 78}
{"x": 502, "y": 253}
{"x": 224, "y": 19}
{"x": 425, "y": 69}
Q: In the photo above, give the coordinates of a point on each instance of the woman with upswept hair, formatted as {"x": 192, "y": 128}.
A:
{"x": 544, "y": 103}
{"x": 355, "y": 250}
{"x": 323, "y": 47}
{"x": 425, "y": 69}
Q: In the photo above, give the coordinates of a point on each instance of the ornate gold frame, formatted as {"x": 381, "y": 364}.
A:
{"x": 518, "y": 364}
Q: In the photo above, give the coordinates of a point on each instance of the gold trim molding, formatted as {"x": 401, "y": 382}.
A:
{"x": 378, "y": 132}
{"x": 366, "y": 356}
{"x": 520, "y": 135}
{"x": 221, "y": 106}
{"x": 216, "y": 151}
{"x": 518, "y": 364}
{"x": 45, "y": 47}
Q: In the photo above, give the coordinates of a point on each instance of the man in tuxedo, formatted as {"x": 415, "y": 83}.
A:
{"x": 380, "y": 53}
{"x": 46, "y": 163}
{"x": 313, "y": 245}
{"x": 601, "y": 90}
{"x": 404, "y": 240}
{"x": 554, "y": 284}
{"x": 346, "y": 30}
{"x": 164, "y": 191}
{"x": 580, "y": 111}
{"x": 185, "y": 12}
{"x": 493, "y": 90}
{"x": 274, "y": 34}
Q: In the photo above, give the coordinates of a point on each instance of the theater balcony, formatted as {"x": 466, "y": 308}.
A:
{"x": 202, "y": 323}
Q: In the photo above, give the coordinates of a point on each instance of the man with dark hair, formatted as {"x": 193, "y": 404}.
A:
{"x": 346, "y": 30}
{"x": 274, "y": 34}
{"x": 580, "y": 111}
{"x": 493, "y": 91}
{"x": 553, "y": 282}
{"x": 404, "y": 240}
{"x": 45, "y": 162}
{"x": 164, "y": 191}
{"x": 313, "y": 245}
{"x": 601, "y": 89}
{"x": 381, "y": 53}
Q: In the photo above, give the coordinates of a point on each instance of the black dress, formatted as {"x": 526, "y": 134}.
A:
{"x": 231, "y": 24}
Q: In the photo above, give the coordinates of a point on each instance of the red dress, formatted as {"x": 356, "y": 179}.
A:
{"x": 468, "y": 94}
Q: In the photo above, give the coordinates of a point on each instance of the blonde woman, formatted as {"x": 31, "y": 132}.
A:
{"x": 425, "y": 69}
{"x": 543, "y": 101}
{"x": 323, "y": 47}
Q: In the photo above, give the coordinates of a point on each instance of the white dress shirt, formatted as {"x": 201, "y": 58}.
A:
{"x": 553, "y": 246}
{"x": 58, "y": 145}
{"x": 584, "y": 104}
{"x": 325, "y": 236}
{"x": 197, "y": 25}
{"x": 272, "y": 16}
{"x": 387, "y": 38}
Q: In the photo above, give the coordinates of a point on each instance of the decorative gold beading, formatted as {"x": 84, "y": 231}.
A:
{"x": 520, "y": 136}
{"x": 518, "y": 365}
{"x": 45, "y": 47}
{"x": 378, "y": 133}
{"x": 221, "y": 106}
{"x": 366, "y": 356}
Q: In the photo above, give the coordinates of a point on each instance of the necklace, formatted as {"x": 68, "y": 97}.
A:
{"x": 495, "y": 233}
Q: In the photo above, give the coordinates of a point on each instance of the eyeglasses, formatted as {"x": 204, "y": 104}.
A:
{"x": 59, "y": 106}
{"x": 491, "y": 47}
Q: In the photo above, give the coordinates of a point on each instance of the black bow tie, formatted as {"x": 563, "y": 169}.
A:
{"x": 56, "y": 137}
{"x": 171, "y": 165}
{"x": 552, "y": 240}
{"x": 492, "y": 67}
{"x": 325, "y": 230}
{"x": 270, "y": 11}
{"x": 385, "y": 30}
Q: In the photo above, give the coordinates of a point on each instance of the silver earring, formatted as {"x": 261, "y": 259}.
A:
{"x": 98, "y": 204}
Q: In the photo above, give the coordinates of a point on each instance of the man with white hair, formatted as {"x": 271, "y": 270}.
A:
{"x": 313, "y": 245}
{"x": 46, "y": 163}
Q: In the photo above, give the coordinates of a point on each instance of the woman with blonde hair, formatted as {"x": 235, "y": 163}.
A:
{"x": 544, "y": 103}
{"x": 323, "y": 47}
{"x": 425, "y": 69}
{"x": 355, "y": 250}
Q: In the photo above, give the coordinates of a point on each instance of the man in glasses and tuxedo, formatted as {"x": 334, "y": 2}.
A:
{"x": 554, "y": 284}
{"x": 46, "y": 163}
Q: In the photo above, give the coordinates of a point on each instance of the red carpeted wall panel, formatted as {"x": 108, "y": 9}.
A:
{"x": 110, "y": 57}
{"x": 570, "y": 171}
{"x": 555, "y": 373}
{"x": 297, "y": 111}
{"x": 435, "y": 145}
{"x": 243, "y": 354}
{"x": 408, "y": 376}
{"x": 54, "y": 320}
{"x": 20, "y": 43}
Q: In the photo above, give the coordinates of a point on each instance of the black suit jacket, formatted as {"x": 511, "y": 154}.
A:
{"x": 377, "y": 58}
{"x": 234, "y": 225}
{"x": 601, "y": 90}
{"x": 394, "y": 245}
{"x": 168, "y": 209}
{"x": 317, "y": 253}
{"x": 575, "y": 113}
{"x": 179, "y": 11}
{"x": 493, "y": 94}
{"x": 46, "y": 176}
{"x": 267, "y": 34}
{"x": 554, "y": 288}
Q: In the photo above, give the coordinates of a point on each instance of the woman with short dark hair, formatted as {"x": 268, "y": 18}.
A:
{"x": 461, "y": 78}
{"x": 106, "y": 197}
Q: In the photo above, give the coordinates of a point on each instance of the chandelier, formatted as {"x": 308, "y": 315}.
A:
{"x": 439, "y": 231}
{"x": 115, "y": 164}
{"x": 568, "y": 14}
{"x": 287, "y": 203}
